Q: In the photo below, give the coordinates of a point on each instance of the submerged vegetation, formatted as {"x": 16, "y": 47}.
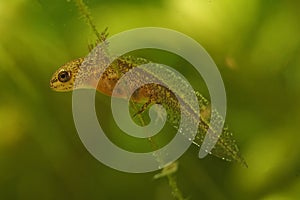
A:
{"x": 256, "y": 47}
{"x": 147, "y": 95}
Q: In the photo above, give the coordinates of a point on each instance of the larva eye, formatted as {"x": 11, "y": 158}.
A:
{"x": 64, "y": 76}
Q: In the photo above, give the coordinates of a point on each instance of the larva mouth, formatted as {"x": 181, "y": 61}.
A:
{"x": 52, "y": 83}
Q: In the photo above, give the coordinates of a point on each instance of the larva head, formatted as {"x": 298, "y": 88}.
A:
{"x": 63, "y": 79}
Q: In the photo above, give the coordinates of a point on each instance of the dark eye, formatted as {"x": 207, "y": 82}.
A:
{"x": 64, "y": 76}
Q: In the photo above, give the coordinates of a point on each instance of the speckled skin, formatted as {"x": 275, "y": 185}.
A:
{"x": 149, "y": 94}
{"x": 72, "y": 67}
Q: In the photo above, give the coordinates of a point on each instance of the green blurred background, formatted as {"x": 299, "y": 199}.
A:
{"x": 256, "y": 46}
